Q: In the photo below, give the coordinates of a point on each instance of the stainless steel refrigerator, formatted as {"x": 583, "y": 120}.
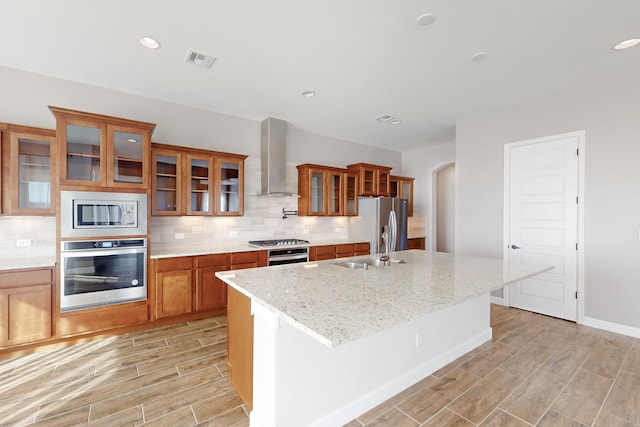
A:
{"x": 375, "y": 213}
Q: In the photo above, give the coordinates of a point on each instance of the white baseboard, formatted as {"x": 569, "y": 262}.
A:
{"x": 497, "y": 300}
{"x": 611, "y": 327}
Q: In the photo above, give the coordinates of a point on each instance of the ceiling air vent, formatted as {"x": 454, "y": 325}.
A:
{"x": 199, "y": 59}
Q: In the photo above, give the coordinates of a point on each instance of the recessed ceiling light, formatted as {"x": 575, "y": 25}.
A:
{"x": 149, "y": 42}
{"x": 479, "y": 56}
{"x": 626, "y": 44}
{"x": 395, "y": 122}
{"x": 425, "y": 19}
{"x": 308, "y": 94}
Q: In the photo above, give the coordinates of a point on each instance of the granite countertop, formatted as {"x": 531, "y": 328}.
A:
{"x": 337, "y": 305}
{"x": 27, "y": 262}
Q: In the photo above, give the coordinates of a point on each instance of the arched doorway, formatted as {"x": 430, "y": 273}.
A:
{"x": 443, "y": 208}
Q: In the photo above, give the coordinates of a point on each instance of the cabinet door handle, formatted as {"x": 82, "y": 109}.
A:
{"x": 515, "y": 247}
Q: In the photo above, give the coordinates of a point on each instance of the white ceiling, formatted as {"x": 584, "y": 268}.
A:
{"x": 364, "y": 58}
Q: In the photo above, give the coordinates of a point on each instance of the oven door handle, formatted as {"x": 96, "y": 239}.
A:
{"x": 288, "y": 257}
{"x": 101, "y": 252}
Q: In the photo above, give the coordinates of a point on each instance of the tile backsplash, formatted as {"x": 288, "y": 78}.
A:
{"x": 40, "y": 231}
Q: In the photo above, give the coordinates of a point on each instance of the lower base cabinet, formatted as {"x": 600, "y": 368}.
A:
{"x": 416, "y": 243}
{"x": 319, "y": 253}
{"x": 173, "y": 286}
{"x": 25, "y": 306}
{"x": 211, "y": 292}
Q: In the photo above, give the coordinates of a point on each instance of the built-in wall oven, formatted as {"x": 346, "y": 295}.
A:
{"x": 102, "y": 272}
{"x": 103, "y": 248}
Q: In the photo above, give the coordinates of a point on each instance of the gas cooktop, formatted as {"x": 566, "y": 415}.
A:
{"x": 278, "y": 242}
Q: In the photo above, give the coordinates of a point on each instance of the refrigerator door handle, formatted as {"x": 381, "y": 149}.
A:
{"x": 393, "y": 231}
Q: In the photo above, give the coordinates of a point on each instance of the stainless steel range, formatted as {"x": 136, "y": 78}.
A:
{"x": 284, "y": 251}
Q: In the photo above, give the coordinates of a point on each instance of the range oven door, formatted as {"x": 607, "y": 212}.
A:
{"x": 288, "y": 256}
{"x": 96, "y": 273}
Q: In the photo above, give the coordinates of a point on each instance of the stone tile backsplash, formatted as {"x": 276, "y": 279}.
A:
{"x": 41, "y": 231}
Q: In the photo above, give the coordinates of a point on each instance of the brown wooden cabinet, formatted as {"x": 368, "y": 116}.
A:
{"x": 183, "y": 285}
{"x": 189, "y": 181}
{"x": 29, "y": 172}
{"x": 323, "y": 252}
{"x": 402, "y": 187}
{"x": 323, "y": 191}
{"x": 374, "y": 180}
{"x": 416, "y": 243}
{"x": 102, "y": 151}
{"x": 210, "y": 292}
{"x": 350, "y": 207}
{"x": 173, "y": 286}
{"x": 240, "y": 345}
{"x": 25, "y": 306}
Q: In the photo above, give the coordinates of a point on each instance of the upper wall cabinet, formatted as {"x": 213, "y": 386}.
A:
{"x": 402, "y": 187}
{"x": 102, "y": 151}
{"x": 189, "y": 181}
{"x": 29, "y": 172}
{"x": 374, "y": 180}
{"x": 322, "y": 190}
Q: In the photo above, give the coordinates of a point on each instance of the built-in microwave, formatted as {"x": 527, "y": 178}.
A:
{"x": 95, "y": 213}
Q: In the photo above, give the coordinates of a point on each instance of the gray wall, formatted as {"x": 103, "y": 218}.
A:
{"x": 609, "y": 115}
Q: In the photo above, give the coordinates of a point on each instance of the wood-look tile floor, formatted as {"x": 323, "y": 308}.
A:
{"x": 170, "y": 376}
{"x": 536, "y": 371}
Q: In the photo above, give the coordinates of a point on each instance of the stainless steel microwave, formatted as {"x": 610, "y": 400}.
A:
{"x": 95, "y": 213}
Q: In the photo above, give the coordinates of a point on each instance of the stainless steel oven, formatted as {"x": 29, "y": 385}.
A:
{"x": 284, "y": 251}
{"x": 102, "y": 272}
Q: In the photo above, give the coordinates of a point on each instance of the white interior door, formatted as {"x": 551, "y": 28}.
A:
{"x": 542, "y": 223}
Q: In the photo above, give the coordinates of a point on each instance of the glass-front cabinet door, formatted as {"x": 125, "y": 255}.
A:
{"x": 316, "y": 184}
{"x": 127, "y": 150}
{"x": 230, "y": 186}
{"x": 84, "y": 148}
{"x": 335, "y": 192}
{"x": 167, "y": 183}
{"x": 200, "y": 175}
{"x": 30, "y": 174}
{"x": 351, "y": 194}
{"x": 382, "y": 182}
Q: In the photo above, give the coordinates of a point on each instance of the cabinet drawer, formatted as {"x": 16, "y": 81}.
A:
{"x": 325, "y": 251}
{"x": 215, "y": 260}
{"x": 344, "y": 250}
{"x": 243, "y": 257}
{"x": 173, "y": 264}
{"x": 243, "y": 265}
{"x": 15, "y": 278}
{"x": 362, "y": 248}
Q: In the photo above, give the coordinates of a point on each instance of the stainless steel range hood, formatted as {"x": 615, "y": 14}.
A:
{"x": 273, "y": 156}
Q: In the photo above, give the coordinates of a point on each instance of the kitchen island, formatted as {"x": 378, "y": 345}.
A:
{"x": 331, "y": 342}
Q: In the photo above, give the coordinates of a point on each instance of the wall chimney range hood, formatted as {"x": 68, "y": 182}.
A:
{"x": 273, "y": 158}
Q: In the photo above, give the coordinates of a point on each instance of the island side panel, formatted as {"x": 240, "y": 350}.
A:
{"x": 240, "y": 344}
{"x": 303, "y": 382}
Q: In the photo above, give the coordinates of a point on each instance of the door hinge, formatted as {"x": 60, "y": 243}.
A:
{"x": 576, "y": 246}
{"x": 576, "y": 294}
{"x": 576, "y": 200}
{"x": 577, "y": 151}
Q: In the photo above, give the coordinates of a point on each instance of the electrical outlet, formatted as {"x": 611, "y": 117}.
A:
{"x": 233, "y": 234}
{"x": 305, "y": 231}
{"x": 418, "y": 340}
{"x": 21, "y": 243}
{"x": 179, "y": 236}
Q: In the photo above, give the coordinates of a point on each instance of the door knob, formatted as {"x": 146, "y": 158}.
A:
{"x": 515, "y": 247}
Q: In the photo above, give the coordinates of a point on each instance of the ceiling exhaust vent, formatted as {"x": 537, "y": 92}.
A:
{"x": 200, "y": 59}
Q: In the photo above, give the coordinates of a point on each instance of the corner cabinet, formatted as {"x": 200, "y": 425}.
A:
{"x": 402, "y": 187}
{"x": 374, "y": 180}
{"x": 102, "y": 151}
{"x": 29, "y": 172}
{"x": 188, "y": 181}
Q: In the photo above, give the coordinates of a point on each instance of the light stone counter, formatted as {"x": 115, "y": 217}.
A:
{"x": 349, "y": 339}
{"x": 27, "y": 262}
{"x": 337, "y": 305}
